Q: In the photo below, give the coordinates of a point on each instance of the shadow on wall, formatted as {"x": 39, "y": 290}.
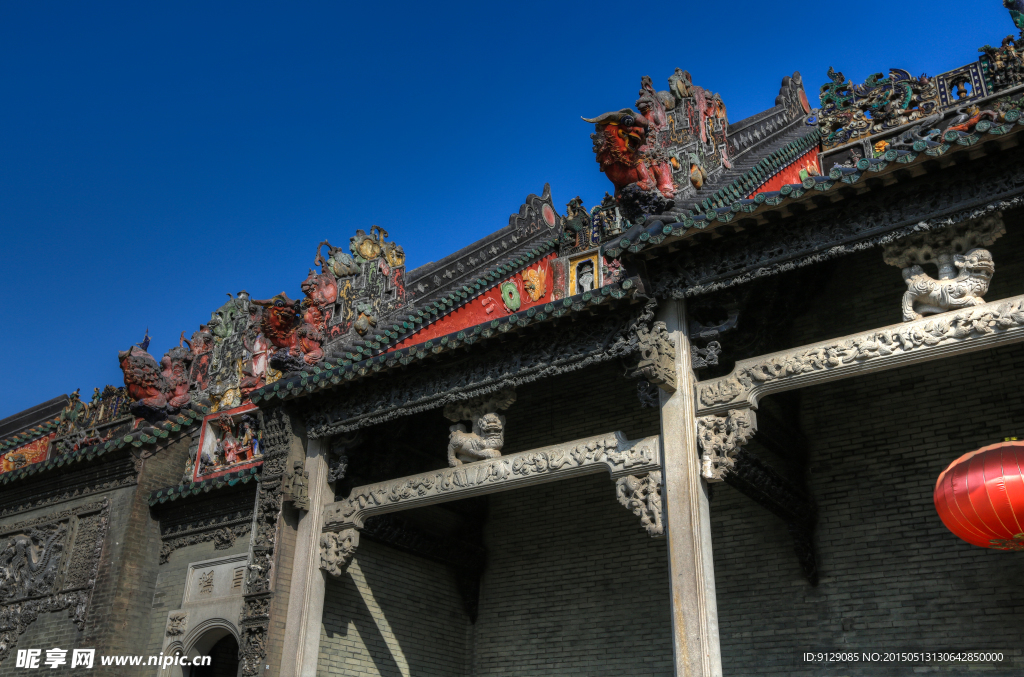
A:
{"x": 350, "y": 610}
{"x": 406, "y": 614}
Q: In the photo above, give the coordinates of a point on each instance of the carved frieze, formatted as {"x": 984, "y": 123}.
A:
{"x": 24, "y": 496}
{"x": 986, "y": 326}
{"x": 49, "y": 564}
{"x": 563, "y": 349}
{"x": 873, "y": 219}
{"x": 642, "y": 496}
{"x": 611, "y": 452}
{"x": 720, "y": 437}
{"x": 223, "y": 520}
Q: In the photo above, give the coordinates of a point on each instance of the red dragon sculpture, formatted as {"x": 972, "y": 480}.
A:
{"x": 617, "y": 143}
{"x": 156, "y": 389}
{"x": 321, "y": 292}
{"x": 631, "y": 147}
{"x": 280, "y": 321}
{"x": 282, "y": 325}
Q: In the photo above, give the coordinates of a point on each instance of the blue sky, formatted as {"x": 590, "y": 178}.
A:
{"x": 155, "y": 156}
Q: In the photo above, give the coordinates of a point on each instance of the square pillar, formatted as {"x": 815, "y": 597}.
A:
{"x": 306, "y": 601}
{"x": 687, "y": 517}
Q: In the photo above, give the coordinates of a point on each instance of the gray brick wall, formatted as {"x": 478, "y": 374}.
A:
{"x": 893, "y": 577}
{"x": 574, "y": 586}
{"x": 392, "y": 614}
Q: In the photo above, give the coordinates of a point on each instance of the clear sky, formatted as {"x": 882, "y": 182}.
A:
{"x": 155, "y": 156}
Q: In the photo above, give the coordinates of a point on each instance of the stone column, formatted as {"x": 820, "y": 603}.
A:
{"x": 687, "y": 518}
{"x": 306, "y": 601}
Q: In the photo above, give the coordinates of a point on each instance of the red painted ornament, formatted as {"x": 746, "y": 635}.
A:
{"x": 980, "y": 496}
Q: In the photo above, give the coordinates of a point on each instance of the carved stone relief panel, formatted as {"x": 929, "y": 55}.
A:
{"x": 49, "y": 564}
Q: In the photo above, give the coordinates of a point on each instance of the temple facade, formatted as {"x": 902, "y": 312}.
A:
{"x": 721, "y": 423}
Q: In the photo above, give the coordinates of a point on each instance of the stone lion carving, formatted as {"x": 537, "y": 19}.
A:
{"x": 486, "y": 440}
{"x": 965, "y": 267}
{"x": 926, "y": 295}
{"x": 488, "y": 434}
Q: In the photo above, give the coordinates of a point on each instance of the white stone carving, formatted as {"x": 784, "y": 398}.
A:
{"x": 642, "y": 495}
{"x": 488, "y": 434}
{"x": 964, "y": 331}
{"x": 925, "y": 295}
{"x": 337, "y": 549}
{"x": 206, "y": 583}
{"x": 177, "y": 622}
{"x": 720, "y": 437}
{"x": 965, "y": 268}
{"x": 612, "y": 452}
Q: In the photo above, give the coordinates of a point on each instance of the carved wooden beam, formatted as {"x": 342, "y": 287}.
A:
{"x": 635, "y": 464}
{"x": 932, "y": 338}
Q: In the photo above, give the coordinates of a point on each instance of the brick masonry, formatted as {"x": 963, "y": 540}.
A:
{"x": 392, "y": 614}
{"x": 893, "y": 577}
{"x": 57, "y": 630}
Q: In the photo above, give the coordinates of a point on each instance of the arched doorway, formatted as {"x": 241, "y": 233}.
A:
{"x": 222, "y": 648}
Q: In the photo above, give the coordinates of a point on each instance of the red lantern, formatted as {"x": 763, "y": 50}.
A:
{"x": 980, "y": 496}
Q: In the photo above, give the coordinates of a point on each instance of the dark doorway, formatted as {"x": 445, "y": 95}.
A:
{"x": 223, "y": 659}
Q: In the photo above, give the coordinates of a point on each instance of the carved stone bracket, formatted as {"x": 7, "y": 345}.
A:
{"x": 702, "y": 358}
{"x": 642, "y": 495}
{"x": 337, "y": 549}
{"x": 177, "y": 623}
{"x": 657, "y": 356}
{"x": 935, "y": 337}
{"x": 611, "y": 452}
{"x": 723, "y": 459}
{"x": 295, "y": 485}
{"x": 720, "y": 437}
